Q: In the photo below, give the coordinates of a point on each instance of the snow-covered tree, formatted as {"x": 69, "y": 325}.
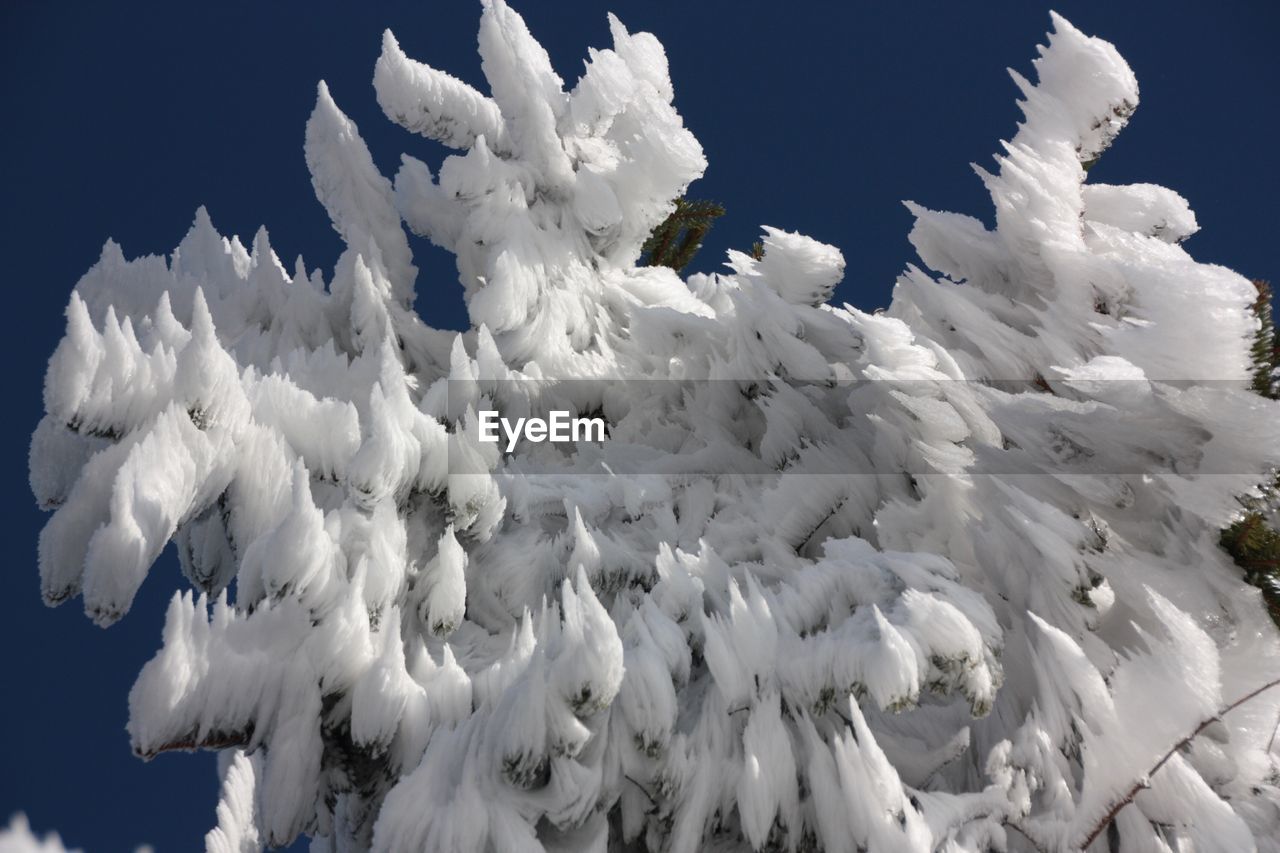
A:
{"x": 942, "y": 578}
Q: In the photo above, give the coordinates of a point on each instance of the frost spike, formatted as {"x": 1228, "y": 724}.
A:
{"x": 434, "y": 103}
{"x": 357, "y": 197}
{"x": 527, "y": 91}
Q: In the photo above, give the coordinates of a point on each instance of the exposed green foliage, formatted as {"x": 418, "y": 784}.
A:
{"x": 1253, "y": 541}
{"x": 677, "y": 238}
{"x": 1255, "y": 546}
{"x": 1266, "y": 346}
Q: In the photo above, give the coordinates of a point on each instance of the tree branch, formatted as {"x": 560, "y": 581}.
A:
{"x": 1025, "y": 834}
{"x": 215, "y": 740}
{"x": 1145, "y": 780}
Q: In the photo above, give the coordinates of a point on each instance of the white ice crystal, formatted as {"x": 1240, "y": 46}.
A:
{"x": 17, "y": 837}
{"x": 942, "y": 578}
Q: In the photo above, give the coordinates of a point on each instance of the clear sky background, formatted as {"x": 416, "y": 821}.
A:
{"x": 120, "y": 119}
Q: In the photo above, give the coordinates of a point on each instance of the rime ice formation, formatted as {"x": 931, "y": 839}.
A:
{"x": 944, "y": 578}
{"x": 17, "y": 837}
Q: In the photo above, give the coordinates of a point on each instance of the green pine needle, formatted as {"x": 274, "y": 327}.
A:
{"x": 1252, "y": 542}
{"x": 675, "y": 240}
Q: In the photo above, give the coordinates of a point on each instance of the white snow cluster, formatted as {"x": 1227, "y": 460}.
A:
{"x": 944, "y": 578}
{"x": 17, "y": 837}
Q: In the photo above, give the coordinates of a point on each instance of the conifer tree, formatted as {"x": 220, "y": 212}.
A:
{"x": 946, "y": 577}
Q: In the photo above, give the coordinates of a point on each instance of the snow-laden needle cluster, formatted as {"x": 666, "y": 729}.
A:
{"x": 943, "y": 578}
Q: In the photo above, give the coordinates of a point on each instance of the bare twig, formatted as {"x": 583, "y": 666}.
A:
{"x": 1025, "y": 834}
{"x": 644, "y": 791}
{"x": 1145, "y": 780}
{"x": 216, "y": 740}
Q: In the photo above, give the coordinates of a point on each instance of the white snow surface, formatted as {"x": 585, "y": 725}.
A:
{"x": 951, "y": 584}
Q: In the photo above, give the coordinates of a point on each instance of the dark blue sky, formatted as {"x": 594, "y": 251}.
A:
{"x": 120, "y": 119}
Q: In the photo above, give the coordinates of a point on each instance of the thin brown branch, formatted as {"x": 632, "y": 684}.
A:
{"x": 1145, "y": 780}
{"x": 1025, "y": 834}
{"x": 668, "y": 232}
{"x": 216, "y": 740}
{"x": 644, "y": 791}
